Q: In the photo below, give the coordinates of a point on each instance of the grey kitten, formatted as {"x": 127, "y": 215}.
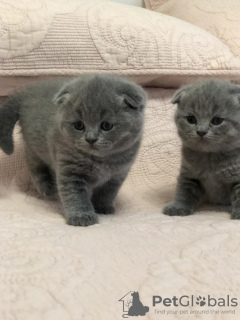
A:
{"x": 208, "y": 122}
{"x": 82, "y": 136}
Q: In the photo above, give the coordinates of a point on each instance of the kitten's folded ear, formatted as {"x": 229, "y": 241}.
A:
{"x": 134, "y": 97}
{"x": 178, "y": 95}
{"x": 62, "y": 97}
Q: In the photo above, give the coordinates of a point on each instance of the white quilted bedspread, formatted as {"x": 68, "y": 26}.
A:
{"x": 49, "y": 270}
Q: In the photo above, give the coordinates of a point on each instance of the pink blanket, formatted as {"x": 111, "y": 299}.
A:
{"x": 50, "y": 270}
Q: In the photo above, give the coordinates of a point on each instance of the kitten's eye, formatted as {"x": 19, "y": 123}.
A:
{"x": 191, "y": 119}
{"x": 106, "y": 126}
{"x": 217, "y": 121}
{"x": 78, "y": 125}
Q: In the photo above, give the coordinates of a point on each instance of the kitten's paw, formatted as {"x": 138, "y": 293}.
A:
{"x": 107, "y": 209}
{"x": 86, "y": 219}
{"x": 174, "y": 209}
{"x": 235, "y": 214}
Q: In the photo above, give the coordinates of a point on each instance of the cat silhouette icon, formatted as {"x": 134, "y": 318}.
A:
{"x": 137, "y": 308}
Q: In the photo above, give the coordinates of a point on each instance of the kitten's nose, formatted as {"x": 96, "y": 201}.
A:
{"x": 91, "y": 140}
{"x": 201, "y": 133}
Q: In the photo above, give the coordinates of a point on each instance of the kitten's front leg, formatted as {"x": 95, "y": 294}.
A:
{"x": 75, "y": 197}
{"x": 104, "y": 195}
{"x": 188, "y": 195}
{"x": 41, "y": 175}
{"x": 235, "y": 213}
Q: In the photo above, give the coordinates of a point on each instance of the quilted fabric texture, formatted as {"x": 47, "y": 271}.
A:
{"x": 153, "y": 4}
{"x": 50, "y": 270}
{"x": 219, "y": 17}
{"x": 71, "y": 37}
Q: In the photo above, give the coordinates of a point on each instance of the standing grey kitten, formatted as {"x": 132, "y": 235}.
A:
{"x": 208, "y": 122}
{"x": 82, "y": 136}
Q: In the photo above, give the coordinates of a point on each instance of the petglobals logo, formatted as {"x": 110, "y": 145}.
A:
{"x": 132, "y": 305}
{"x": 186, "y": 301}
{"x": 194, "y": 305}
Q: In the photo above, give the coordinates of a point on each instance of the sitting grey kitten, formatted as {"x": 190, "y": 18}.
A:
{"x": 82, "y": 136}
{"x": 208, "y": 122}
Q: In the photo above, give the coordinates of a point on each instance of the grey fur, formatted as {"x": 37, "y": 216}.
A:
{"x": 86, "y": 175}
{"x": 210, "y": 169}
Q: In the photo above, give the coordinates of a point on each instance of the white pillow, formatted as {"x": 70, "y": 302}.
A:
{"x": 45, "y": 38}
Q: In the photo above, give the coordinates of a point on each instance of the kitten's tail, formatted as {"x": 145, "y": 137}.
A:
{"x": 9, "y": 115}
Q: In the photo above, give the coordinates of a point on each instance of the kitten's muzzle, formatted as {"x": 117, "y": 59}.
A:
{"x": 91, "y": 140}
{"x": 201, "y": 133}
